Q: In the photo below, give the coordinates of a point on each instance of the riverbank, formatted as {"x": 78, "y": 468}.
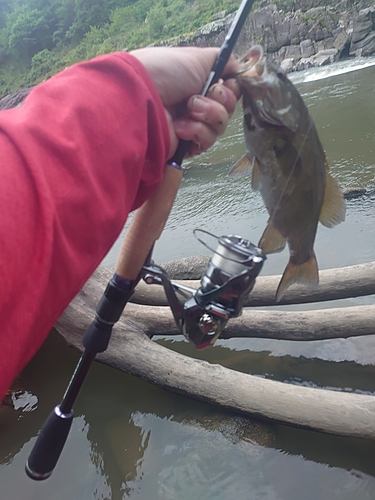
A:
{"x": 310, "y": 36}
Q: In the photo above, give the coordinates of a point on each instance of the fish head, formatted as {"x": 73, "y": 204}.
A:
{"x": 266, "y": 89}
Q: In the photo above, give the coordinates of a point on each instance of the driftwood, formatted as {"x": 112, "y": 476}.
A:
{"x": 298, "y": 326}
{"x": 132, "y": 351}
{"x": 340, "y": 283}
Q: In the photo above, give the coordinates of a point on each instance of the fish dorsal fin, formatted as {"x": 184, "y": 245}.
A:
{"x": 306, "y": 273}
{"x": 333, "y": 208}
{"x": 272, "y": 241}
{"x": 241, "y": 168}
{"x": 256, "y": 179}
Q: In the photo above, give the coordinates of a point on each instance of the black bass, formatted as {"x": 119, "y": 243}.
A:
{"x": 288, "y": 167}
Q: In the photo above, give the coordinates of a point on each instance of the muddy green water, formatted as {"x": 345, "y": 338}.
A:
{"x": 132, "y": 440}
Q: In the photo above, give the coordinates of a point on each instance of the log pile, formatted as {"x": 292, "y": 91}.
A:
{"x": 132, "y": 350}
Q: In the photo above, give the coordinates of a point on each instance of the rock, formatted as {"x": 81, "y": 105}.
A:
{"x": 311, "y": 35}
{"x": 322, "y": 58}
{"x": 211, "y": 29}
{"x": 353, "y": 192}
{"x": 341, "y": 42}
{"x": 289, "y": 52}
{"x": 363, "y": 37}
{"x": 304, "y": 63}
{"x": 287, "y": 65}
{"x": 325, "y": 57}
{"x": 365, "y": 47}
{"x": 14, "y": 99}
{"x": 363, "y": 24}
{"x": 213, "y": 34}
{"x": 325, "y": 44}
{"x": 219, "y": 15}
{"x": 307, "y": 48}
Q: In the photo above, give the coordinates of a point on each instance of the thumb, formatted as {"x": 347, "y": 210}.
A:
{"x": 180, "y": 72}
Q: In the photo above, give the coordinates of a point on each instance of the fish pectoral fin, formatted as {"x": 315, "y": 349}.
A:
{"x": 333, "y": 208}
{"x": 256, "y": 179}
{"x": 241, "y": 168}
{"x": 272, "y": 241}
{"x": 306, "y": 273}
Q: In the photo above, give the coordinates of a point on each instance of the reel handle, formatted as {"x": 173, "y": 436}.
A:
{"x": 147, "y": 225}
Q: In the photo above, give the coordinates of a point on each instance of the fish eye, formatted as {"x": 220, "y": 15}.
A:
{"x": 280, "y": 73}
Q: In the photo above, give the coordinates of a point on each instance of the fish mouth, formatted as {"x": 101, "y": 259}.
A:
{"x": 266, "y": 87}
{"x": 253, "y": 62}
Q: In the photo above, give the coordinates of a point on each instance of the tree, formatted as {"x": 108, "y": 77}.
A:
{"x": 5, "y": 8}
{"x": 156, "y": 20}
{"x": 28, "y": 31}
{"x": 90, "y": 13}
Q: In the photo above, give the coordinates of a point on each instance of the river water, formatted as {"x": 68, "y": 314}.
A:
{"x": 132, "y": 440}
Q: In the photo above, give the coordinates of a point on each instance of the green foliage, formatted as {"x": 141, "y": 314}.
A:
{"x": 28, "y": 31}
{"x": 40, "y": 37}
{"x": 156, "y": 20}
{"x": 43, "y": 65}
{"x": 88, "y": 14}
{"x": 5, "y": 8}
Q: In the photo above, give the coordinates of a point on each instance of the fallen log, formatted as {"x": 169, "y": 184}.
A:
{"x": 131, "y": 351}
{"x": 357, "y": 321}
{"x": 322, "y": 324}
{"x": 340, "y": 283}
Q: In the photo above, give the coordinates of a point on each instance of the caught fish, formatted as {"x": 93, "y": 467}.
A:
{"x": 288, "y": 166}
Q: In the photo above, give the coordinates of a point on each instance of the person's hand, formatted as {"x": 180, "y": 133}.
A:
{"x": 179, "y": 75}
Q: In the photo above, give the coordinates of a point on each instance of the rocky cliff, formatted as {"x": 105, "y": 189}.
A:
{"x": 311, "y": 33}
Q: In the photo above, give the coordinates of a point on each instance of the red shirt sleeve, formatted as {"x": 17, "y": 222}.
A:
{"x": 87, "y": 147}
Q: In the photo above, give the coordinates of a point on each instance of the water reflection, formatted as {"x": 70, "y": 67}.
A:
{"x": 132, "y": 440}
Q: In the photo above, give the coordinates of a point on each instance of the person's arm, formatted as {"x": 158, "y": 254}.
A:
{"x": 86, "y": 148}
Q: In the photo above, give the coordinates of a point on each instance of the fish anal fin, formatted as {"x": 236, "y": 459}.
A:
{"x": 241, "y": 168}
{"x": 272, "y": 241}
{"x": 333, "y": 208}
{"x": 306, "y": 273}
{"x": 256, "y": 179}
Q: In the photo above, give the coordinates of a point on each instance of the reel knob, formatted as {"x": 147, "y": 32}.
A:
{"x": 208, "y": 325}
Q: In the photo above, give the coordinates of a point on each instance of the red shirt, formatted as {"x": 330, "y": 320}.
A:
{"x": 87, "y": 147}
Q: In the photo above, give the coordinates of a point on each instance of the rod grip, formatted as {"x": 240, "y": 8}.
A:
{"x": 147, "y": 225}
{"x": 49, "y": 445}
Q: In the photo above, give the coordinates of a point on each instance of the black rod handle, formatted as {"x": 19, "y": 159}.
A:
{"x": 49, "y": 445}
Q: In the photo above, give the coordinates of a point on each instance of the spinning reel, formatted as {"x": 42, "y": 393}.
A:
{"x": 225, "y": 285}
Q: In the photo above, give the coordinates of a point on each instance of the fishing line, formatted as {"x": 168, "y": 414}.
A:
{"x": 292, "y": 169}
{"x": 299, "y": 152}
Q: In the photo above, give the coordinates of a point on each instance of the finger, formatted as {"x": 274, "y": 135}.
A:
{"x": 225, "y": 95}
{"x": 208, "y": 111}
{"x": 203, "y": 136}
{"x": 233, "y": 86}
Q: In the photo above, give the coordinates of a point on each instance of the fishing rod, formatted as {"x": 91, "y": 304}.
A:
{"x": 134, "y": 262}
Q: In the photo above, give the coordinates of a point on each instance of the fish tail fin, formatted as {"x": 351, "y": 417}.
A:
{"x": 333, "y": 208}
{"x": 306, "y": 273}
